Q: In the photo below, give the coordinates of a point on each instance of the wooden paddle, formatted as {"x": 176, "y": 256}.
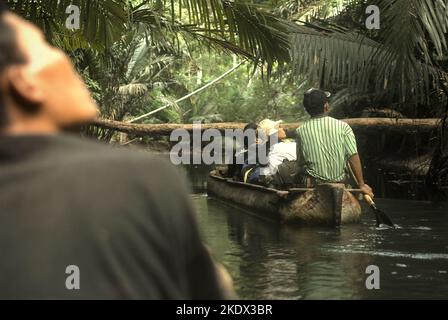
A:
{"x": 380, "y": 216}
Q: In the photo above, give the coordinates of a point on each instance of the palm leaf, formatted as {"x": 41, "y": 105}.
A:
{"x": 102, "y": 22}
{"x": 332, "y": 57}
{"x": 257, "y": 32}
{"x": 133, "y": 89}
{"x": 400, "y": 64}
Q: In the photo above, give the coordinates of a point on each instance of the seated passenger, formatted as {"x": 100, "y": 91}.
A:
{"x": 240, "y": 157}
{"x": 281, "y": 151}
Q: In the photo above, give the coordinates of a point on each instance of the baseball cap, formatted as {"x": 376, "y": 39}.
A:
{"x": 316, "y": 96}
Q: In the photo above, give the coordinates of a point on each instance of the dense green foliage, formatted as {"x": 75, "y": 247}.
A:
{"x": 142, "y": 54}
{"x": 243, "y": 96}
{"x": 139, "y": 55}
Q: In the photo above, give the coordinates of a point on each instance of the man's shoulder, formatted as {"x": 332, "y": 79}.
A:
{"x": 342, "y": 124}
{"x": 82, "y": 151}
{"x": 303, "y": 126}
{"x": 309, "y": 124}
{"x": 334, "y": 120}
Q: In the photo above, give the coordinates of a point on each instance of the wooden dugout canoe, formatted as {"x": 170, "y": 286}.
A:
{"x": 327, "y": 204}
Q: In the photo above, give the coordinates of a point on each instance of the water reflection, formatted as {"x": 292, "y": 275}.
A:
{"x": 269, "y": 261}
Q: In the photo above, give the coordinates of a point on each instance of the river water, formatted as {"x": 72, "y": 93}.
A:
{"x": 271, "y": 261}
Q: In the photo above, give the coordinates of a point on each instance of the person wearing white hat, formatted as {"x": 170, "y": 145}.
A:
{"x": 269, "y": 127}
{"x": 280, "y": 150}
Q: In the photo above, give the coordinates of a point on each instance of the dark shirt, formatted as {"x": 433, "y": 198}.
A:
{"x": 123, "y": 218}
{"x": 291, "y": 134}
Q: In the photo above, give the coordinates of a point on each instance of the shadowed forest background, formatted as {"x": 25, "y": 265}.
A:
{"x": 137, "y": 56}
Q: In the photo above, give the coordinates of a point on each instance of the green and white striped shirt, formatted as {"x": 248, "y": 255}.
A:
{"x": 324, "y": 145}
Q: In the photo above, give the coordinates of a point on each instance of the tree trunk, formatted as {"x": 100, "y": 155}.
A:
{"x": 362, "y": 125}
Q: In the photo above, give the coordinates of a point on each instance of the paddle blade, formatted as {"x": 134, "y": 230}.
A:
{"x": 382, "y": 218}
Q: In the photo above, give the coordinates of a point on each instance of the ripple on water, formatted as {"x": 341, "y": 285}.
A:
{"x": 421, "y": 228}
{"x": 393, "y": 254}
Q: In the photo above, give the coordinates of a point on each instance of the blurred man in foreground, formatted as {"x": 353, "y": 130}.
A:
{"x": 79, "y": 219}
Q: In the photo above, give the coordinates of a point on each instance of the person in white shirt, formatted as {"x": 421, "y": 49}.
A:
{"x": 280, "y": 150}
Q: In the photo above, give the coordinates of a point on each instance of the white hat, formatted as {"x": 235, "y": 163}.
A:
{"x": 269, "y": 127}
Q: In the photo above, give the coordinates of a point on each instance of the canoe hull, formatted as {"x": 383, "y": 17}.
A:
{"x": 317, "y": 207}
{"x": 328, "y": 204}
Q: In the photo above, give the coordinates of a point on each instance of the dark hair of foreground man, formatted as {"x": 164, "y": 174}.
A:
{"x": 123, "y": 219}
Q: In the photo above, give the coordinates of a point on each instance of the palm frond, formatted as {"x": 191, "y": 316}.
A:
{"x": 400, "y": 63}
{"x": 243, "y": 28}
{"x": 140, "y": 52}
{"x": 101, "y": 22}
{"x": 311, "y": 9}
{"x": 133, "y": 89}
{"x": 253, "y": 29}
{"x": 332, "y": 57}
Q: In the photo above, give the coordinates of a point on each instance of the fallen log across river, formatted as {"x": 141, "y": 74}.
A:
{"x": 364, "y": 125}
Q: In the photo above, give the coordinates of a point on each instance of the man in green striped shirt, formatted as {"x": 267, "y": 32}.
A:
{"x": 325, "y": 144}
